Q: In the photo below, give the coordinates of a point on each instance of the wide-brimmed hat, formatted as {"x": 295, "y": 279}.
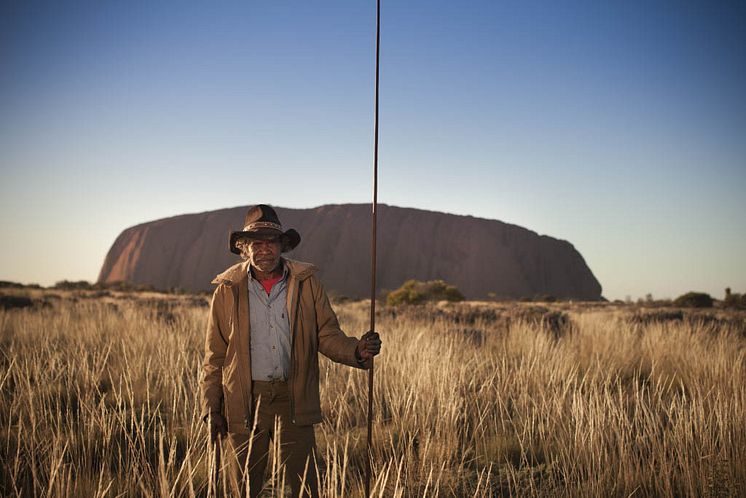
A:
{"x": 262, "y": 223}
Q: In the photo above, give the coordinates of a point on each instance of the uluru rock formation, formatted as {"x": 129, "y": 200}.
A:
{"x": 478, "y": 256}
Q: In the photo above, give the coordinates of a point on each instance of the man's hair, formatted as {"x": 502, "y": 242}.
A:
{"x": 242, "y": 244}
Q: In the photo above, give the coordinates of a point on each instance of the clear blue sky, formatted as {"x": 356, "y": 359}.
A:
{"x": 619, "y": 126}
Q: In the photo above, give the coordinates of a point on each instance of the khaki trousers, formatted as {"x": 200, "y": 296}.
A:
{"x": 296, "y": 446}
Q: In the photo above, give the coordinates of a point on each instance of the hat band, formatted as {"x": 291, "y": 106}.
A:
{"x": 262, "y": 224}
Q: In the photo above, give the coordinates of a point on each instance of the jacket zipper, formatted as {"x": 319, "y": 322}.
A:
{"x": 293, "y": 356}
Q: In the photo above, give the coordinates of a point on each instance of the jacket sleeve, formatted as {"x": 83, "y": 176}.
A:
{"x": 333, "y": 343}
{"x": 215, "y": 348}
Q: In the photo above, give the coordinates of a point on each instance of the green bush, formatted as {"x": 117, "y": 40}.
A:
{"x": 694, "y": 300}
{"x": 70, "y": 285}
{"x": 416, "y": 292}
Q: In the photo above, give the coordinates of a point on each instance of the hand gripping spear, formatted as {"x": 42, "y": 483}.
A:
{"x": 373, "y": 253}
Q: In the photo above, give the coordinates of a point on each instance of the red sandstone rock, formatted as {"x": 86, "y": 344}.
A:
{"x": 478, "y": 256}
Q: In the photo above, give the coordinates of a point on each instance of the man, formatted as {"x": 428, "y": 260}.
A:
{"x": 269, "y": 318}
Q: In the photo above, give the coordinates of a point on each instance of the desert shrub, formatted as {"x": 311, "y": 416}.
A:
{"x": 734, "y": 300}
{"x": 119, "y": 285}
{"x": 652, "y": 317}
{"x": 73, "y": 285}
{"x": 10, "y": 302}
{"x": 472, "y": 335}
{"x": 5, "y": 284}
{"x": 416, "y": 292}
{"x": 539, "y": 298}
{"x": 123, "y": 286}
{"x": 703, "y": 320}
{"x": 473, "y": 320}
{"x": 197, "y": 302}
{"x": 694, "y": 300}
{"x": 338, "y": 298}
{"x": 99, "y": 294}
{"x": 545, "y": 298}
{"x": 11, "y": 285}
{"x": 557, "y": 323}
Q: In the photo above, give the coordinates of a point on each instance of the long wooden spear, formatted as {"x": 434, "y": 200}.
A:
{"x": 368, "y": 468}
{"x": 215, "y": 477}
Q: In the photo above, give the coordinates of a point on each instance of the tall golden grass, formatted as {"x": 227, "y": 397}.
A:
{"x": 99, "y": 397}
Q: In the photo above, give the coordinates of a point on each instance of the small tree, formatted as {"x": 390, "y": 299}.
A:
{"x": 734, "y": 299}
{"x": 416, "y": 292}
{"x": 694, "y": 300}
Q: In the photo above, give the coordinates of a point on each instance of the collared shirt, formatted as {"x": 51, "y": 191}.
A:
{"x": 270, "y": 330}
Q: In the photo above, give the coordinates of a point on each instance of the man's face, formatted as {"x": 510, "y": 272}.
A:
{"x": 264, "y": 255}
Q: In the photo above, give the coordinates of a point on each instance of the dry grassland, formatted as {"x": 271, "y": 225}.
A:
{"x": 98, "y": 397}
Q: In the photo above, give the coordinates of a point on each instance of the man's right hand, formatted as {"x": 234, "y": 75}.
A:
{"x": 218, "y": 427}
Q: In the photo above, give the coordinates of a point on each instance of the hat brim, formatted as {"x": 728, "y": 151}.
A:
{"x": 290, "y": 238}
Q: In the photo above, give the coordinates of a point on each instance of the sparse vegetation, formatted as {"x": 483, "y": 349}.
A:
{"x": 539, "y": 298}
{"x": 416, "y": 292}
{"x": 103, "y": 286}
{"x": 98, "y": 397}
{"x": 5, "y": 284}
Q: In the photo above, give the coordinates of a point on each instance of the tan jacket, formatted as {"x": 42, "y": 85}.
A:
{"x": 226, "y": 373}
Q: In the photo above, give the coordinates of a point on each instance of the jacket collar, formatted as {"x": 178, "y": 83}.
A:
{"x": 238, "y": 273}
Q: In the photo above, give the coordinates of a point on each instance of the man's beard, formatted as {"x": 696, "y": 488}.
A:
{"x": 267, "y": 265}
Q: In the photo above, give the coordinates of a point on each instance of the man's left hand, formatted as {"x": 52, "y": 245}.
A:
{"x": 368, "y": 346}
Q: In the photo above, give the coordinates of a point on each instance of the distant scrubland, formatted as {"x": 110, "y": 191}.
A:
{"x": 98, "y": 397}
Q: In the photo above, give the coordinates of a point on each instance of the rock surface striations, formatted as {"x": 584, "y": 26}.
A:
{"x": 481, "y": 257}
